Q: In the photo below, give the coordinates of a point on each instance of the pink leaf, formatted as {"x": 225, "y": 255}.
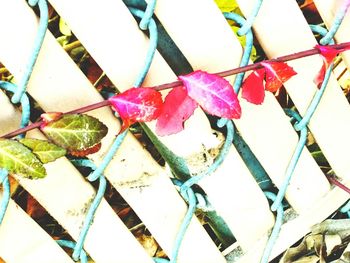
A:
{"x": 253, "y": 87}
{"x": 213, "y": 93}
{"x": 137, "y": 104}
{"x": 177, "y": 108}
{"x": 328, "y": 55}
{"x": 276, "y": 74}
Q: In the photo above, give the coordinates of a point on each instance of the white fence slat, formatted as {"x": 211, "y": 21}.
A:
{"x": 265, "y": 127}
{"x": 127, "y": 45}
{"x": 54, "y": 93}
{"x": 23, "y": 241}
{"x": 331, "y": 119}
{"x": 66, "y": 196}
{"x": 328, "y": 11}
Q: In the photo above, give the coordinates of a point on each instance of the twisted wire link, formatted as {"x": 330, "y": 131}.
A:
{"x": 71, "y": 244}
{"x": 250, "y": 20}
{"x": 43, "y": 23}
{"x": 336, "y": 24}
{"x": 8, "y": 86}
{"x": 275, "y": 230}
{"x": 247, "y": 48}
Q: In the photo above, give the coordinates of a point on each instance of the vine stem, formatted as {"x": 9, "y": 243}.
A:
{"x": 334, "y": 181}
{"x": 39, "y": 123}
{"x": 297, "y": 55}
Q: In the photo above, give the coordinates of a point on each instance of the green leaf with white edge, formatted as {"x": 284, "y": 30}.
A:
{"x": 75, "y": 132}
{"x": 44, "y": 150}
{"x": 18, "y": 159}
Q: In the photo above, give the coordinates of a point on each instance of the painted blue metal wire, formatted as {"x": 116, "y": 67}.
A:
{"x": 147, "y": 16}
{"x": 4, "y": 180}
{"x": 20, "y": 96}
{"x": 8, "y": 86}
{"x": 97, "y": 171}
{"x": 275, "y": 230}
{"x": 70, "y": 244}
{"x": 92, "y": 209}
{"x": 43, "y": 23}
{"x": 336, "y": 24}
{"x": 251, "y": 18}
{"x": 247, "y": 49}
{"x": 301, "y": 125}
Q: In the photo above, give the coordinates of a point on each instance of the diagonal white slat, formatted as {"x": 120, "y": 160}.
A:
{"x": 328, "y": 11}
{"x": 67, "y": 196}
{"x": 329, "y": 122}
{"x": 265, "y": 127}
{"x": 60, "y": 88}
{"x": 119, "y": 47}
{"x": 22, "y": 240}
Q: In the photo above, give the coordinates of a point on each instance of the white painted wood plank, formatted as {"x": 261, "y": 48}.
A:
{"x": 22, "y": 240}
{"x": 49, "y": 86}
{"x": 328, "y": 11}
{"x": 127, "y": 47}
{"x": 66, "y": 196}
{"x": 285, "y": 32}
{"x": 265, "y": 127}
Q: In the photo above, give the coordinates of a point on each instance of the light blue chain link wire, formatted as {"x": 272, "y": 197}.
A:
{"x": 301, "y": 125}
{"x": 19, "y": 94}
{"x": 97, "y": 171}
{"x": 43, "y": 23}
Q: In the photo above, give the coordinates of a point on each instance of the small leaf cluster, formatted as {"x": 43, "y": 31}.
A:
{"x": 76, "y": 134}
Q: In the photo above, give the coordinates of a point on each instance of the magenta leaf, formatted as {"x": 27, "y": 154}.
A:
{"x": 177, "y": 108}
{"x": 276, "y": 74}
{"x": 253, "y": 87}
{"x": 137, "y": 105}
{"x": 213, "y": 93}
{"x": 328, "y": 54}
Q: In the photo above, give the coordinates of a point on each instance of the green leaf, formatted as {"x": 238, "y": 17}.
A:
{"x": 44, "y": 150}
{"x": 75, "y": 132}
{"x": 18, "y": 159}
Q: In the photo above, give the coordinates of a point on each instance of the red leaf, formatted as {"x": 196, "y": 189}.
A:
{"x": 253, "y": 87}
{"x": 213, "y": 93}
{"x": 177, "y": 108}
{"x": 328, "y": 55}
{"x": 137, "y": 104}
{"x": 87, "y": 151}
{"x": 276, "y": 74}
